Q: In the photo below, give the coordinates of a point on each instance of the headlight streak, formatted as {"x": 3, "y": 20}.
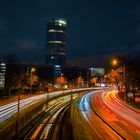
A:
{"x": 10, "y": 109}
{"x": 87, "y": 114}
{"x": 84, "y": 105}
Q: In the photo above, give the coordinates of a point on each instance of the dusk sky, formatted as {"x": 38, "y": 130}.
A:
{"x": 96, "y": 29}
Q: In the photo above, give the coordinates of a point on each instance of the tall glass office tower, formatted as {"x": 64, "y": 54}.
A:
{"x": 56, "y": 42}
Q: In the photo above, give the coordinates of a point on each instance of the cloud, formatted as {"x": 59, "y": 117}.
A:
{"x": 27, "y": 45}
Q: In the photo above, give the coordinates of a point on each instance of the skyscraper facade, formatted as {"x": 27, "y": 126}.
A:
{"x": 2, "y": 74}
{"x": 56, "y": 42}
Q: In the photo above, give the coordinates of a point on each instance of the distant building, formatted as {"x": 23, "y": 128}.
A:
{"x": 97, "y": 72}
{"x": 21, "y": 72}
{"x": 56, "y": 42}
{"x": 2, "y": 74}
{"x": 57, "y": 71}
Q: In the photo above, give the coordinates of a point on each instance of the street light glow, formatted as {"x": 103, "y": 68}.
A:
{"x": 33, "y": 69}
{"x": 114, "y": 61}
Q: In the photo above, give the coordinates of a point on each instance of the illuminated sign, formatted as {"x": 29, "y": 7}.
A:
{"x": 97, "y": 71}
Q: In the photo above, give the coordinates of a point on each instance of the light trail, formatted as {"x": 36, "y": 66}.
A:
{"x": 88, "y": 120}
{"x": 10, "y": 109}
{"x": 123, "y": 118}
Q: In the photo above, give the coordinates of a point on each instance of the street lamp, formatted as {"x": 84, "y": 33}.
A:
{"x": 18, "y": 110}
{"x": 115, "y": 62}
{"x": 31, "y": 74}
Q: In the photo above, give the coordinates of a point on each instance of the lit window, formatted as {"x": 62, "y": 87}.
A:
{"x": 57, "y": 31}
{"x": 55, "y": 41}
{"x": 2, "y": 64}
{"x": 60, "y": 22}
{"x": 62, "y": 53}
{"x": 57, "y": 66}
{"x": 52, "y": 57}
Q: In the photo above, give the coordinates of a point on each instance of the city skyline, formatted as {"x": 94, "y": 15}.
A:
{"x": 96, "y": 29}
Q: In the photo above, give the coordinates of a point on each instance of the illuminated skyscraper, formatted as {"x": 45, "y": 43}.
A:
{"x": 2, "y": 74}
{"x": 56, "y": 42}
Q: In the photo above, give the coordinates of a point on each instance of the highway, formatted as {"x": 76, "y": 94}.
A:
{"x": 10, "y": 109}
{"x": 102, "y": 115}
{"x": 45, "y": 127}
{"x": 99, "y": 114}
{"x": 122, "y": 118}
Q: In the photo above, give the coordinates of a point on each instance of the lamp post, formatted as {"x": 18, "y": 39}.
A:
{"x": 124, "y": 74}
{"x": 31, "y": 76}
{"x": 87, "y": 77}
{"x": 18, "y": 109}
{"x": 115, "y": 62}
{"x": 124, "y": 80}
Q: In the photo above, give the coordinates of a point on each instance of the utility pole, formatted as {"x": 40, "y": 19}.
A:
{"x": 124, "y": 80}
{"x": 87, "y": 77}
{"x": 31, "y": 76}
{"x": 18, "y": 113}
{"x": 71, "y": 97}
{"x": 47, "y": 100}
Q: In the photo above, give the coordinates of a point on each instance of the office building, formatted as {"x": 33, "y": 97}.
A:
{"x": 56, "y": 42}
{"x": 2, "y": 74}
